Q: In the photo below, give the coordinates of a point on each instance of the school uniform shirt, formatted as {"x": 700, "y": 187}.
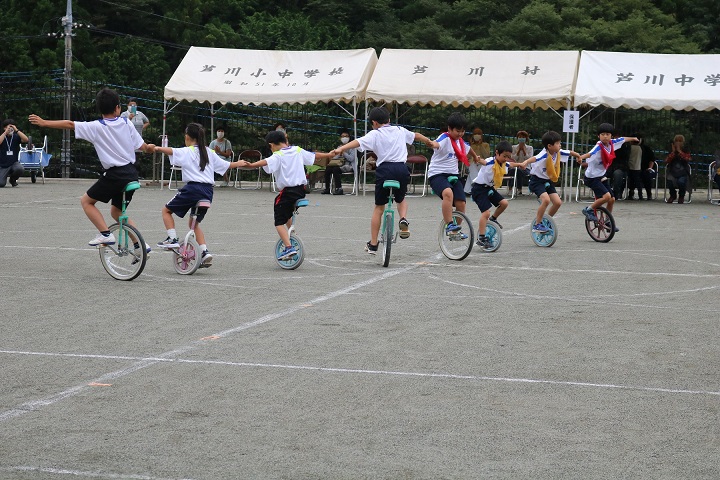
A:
{"x": 443, "y": 159}
{"x": 287, "y": 165}
{"x": 486, "y": 174}
{"x": 595, "y": 166}
{"x": 388, "y": 142}
{"x": 539, "y": 169}
{"x": 189, "y": 159}
{"x": 115, "y": 140}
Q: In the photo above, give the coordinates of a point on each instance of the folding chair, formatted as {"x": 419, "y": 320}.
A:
{"x": 250, "y": 156}
{"x": 35, "y": 159}
{"x": 712, "y": 170}
{"x": 416, "y": 162}
{"x": 176, "y": 172}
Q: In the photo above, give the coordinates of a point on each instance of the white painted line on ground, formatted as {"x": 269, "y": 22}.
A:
{"x": 80, "y": 473}
{"x": 448, "y": 376}
{"x": 34, "y": 405}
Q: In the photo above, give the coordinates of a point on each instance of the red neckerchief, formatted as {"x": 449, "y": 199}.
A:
{"x": 607, "y": 158}
{"x": 459, "y": 149}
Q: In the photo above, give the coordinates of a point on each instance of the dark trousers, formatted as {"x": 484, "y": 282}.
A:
{"x": 635, "y": 182}
{"x": 332, "y": 172}
{"x": 12, "y": 172}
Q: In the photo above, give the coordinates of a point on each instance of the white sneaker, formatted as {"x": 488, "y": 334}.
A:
{"x": 169, "y": 243}
{"x": 102, "y": 240}
{"x": 206, "y": 259}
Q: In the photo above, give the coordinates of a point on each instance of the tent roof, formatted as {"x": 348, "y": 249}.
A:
{"x": 649, "y": 80}
{"x": 475, "y": 77}
{"x": 263, "y": 77}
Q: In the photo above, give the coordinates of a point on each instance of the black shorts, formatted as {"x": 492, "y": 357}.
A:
{"x": 391, "y": 171}
{"x": 485, "y": 196}
{"x": 285, "y": 203}
{"x": 597, "y": 186}
{"x": 438, "y": 183}
{"x": 188, "y": 196}
{"x": 110, "y": 187}
{"x": 538, "y": 186}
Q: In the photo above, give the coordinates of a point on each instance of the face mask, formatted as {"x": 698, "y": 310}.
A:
{"x": 280, "y": 129}
{"x": 477, "y": 137}
{"x": 344, "y": 140}
{"x": 220, "y": 134}
{"x": 521, "y": 140}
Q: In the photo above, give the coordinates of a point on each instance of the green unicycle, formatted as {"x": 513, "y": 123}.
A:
{"x": 387, "y": 237}
{"x": 125, "y": 259}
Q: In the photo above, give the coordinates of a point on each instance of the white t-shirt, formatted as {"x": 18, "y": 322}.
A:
{"x": 595, "y": 166}
{"x": 486, "y": 176}
{"x": 539, "y": 169}
{"x": 388, "y": 142}
{"x": 189, "y": 159}
{"x": 115, "y": 140}
{"x": 444, "y": 159}
{"x": 287, "y": 165}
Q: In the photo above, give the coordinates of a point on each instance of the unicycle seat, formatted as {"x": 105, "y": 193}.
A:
{"x": 391, "y": 184}
{"x": 452, "y": 179}
{"x": 302, "y": 203}
{"x": 203, "y": 204}
{"x": 132, "y": 186}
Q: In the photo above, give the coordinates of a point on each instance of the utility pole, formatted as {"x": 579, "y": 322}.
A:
{"x": 67, "y": 23}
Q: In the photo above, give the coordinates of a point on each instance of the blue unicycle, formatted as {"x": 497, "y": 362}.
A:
{"x": 294, "y": 261}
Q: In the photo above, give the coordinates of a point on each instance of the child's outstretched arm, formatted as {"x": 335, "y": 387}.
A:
{"x": 59, "y": 124}
{"x": 323, "y": 155}
{"x": 246, "y": 164}
{"x": 419, "y": 137}
{"x": 475, "y": 157}
{"x": 148, "y": 147}
{"x": 166, "y": 150}
{"x": 347, "y": 146}
{"x": 524, "y": 164}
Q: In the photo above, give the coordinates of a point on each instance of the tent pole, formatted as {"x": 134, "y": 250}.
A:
{"x": 162, "y": 156}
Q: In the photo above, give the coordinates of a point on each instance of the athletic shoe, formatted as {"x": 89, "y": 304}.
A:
{"x": 404, "y": 228}
{"x": 607, "y": 226}
{"x": 206, "y": 259}
{"x": 495, "y": 220}
{"x": 102, "y": 240}
{"x": 169, "y": 243}
{"x": 540, "y": 228}
{"x": 288, "y": 253}
{"x": 483, "y": 242}
{"x": 338, "y": 191}
{"x": 451, "y": 227}
{"x": 589, "y": 214}
{"x": 370, "y": 248}
{"x": 147, "y": 247}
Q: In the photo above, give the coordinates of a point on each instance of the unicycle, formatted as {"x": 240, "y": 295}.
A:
{"x": 187, "y": 257}
{"x": 544, "y": 239}
{"x": 296, "y": 259}
{"x": 386, "y": 237}
{"x": 603, "y": 229}
{"x": 493, "y": 234}
{"x": 456, "y": 245}
{"x": 126, "y": 259}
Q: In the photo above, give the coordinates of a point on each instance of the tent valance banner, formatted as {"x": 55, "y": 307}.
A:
{"x": 264, "y": 77}
{"x": 649, "y": 80}
{"x": 535, "y": 79}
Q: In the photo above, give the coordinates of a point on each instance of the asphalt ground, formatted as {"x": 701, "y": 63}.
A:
{"x": 583, "y": 360}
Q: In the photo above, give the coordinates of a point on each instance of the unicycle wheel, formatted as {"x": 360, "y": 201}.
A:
{"x": 457, "y": 245}
{"x": 294, "y": 261}
{"x": 602, "y": 230}
{"x": 493, "y": 233}
{"x": 123, "y": 261}
{"x": 545, "y": 239}
{"x": 187, "y": 257}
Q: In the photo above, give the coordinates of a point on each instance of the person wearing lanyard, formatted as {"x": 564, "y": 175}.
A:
{"x": 10, "y": 166}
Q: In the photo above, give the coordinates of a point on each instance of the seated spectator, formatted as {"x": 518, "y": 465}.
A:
{"x": 677, "y": 172}
{"x": 648, "y": 172}
{"x": 339, "y": 165}
{"x": 222, "y": 146}
{"x": 482, "y": 150}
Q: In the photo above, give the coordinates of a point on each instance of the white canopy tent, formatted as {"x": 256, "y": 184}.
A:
{"x": 466, "y": 78}
{"x": 265, "y": 77}
{"x": 649, "y": 80}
